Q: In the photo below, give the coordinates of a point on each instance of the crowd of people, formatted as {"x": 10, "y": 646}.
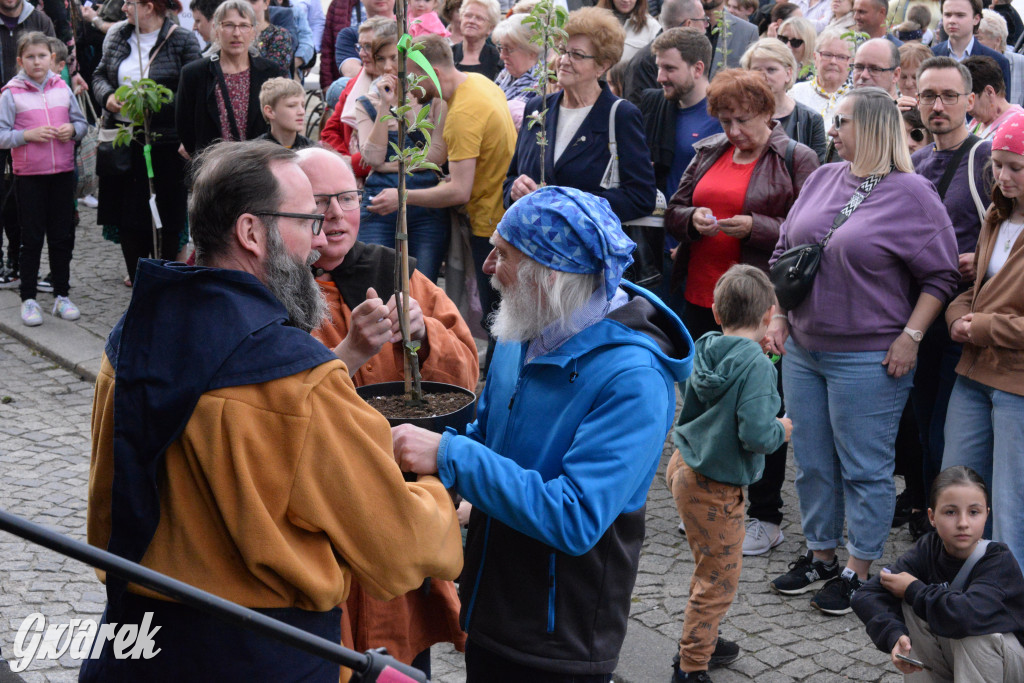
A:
{"x": 886, "y": 140}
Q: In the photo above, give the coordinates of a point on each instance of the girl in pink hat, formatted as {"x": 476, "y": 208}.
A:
{"x": 985, "y": 421}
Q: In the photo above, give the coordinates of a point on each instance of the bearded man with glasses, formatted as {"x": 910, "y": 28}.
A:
{"x": 243, "y": 462}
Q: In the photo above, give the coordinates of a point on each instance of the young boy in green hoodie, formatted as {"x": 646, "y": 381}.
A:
{"x": 727, "y": 423}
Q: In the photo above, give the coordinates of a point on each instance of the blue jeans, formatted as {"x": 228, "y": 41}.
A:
{"x": 846, "y": 412}
{"x": 985, "y": 431}
{"x": 428, "y": 228}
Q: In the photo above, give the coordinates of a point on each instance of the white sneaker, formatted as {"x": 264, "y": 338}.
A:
{"x": 761, "y": 537}
{"x": 31, "y": 313}
{"x": 63, "y": 308}
{"x": 90, "y": 201}
{"x": 682, "y": 528}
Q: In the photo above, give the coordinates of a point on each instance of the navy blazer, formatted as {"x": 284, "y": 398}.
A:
{"x": 583, "y": 163}
{"x": 979, "y": 50}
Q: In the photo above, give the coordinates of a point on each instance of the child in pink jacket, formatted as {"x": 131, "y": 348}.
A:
{"x": 39, "y": 122}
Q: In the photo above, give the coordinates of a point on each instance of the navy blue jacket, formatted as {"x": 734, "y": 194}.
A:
{"x": 991, "y": 602}
{"x": 583, "y": 163}
{"x": 979, "y": 50}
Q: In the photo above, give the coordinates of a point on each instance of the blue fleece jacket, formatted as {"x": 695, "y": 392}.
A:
{"x": 557, "y": 466}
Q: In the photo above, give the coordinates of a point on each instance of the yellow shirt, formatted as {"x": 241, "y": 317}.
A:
{"x": 479, "y": 126}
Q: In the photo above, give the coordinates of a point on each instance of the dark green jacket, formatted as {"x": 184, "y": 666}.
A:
{"x": 730, "y": 401}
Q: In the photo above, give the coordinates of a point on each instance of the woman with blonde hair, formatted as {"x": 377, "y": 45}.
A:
{"x": 476, "y": 53}
{"x": 641, "y": 27}
{"x": 578, "y": 124}
{"x": 888, "y": 265}
{"x": 522, "y": 63}
{"x": 799, "y": 35}
{"x": 833, "y": 52}
{"x": 776, "y": 63}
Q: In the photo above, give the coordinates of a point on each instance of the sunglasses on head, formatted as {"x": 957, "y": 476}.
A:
{"x": 792, "y": 42}
{"x": 917, "y": 134}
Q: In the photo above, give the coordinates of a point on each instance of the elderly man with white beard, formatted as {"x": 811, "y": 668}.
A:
{"x": 231, "y": 452}
{"x": 568, "y": 436}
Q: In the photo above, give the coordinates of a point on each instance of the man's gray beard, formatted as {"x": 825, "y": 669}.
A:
{"x": 522, "y": 314}
{"x": 292, "y": 283}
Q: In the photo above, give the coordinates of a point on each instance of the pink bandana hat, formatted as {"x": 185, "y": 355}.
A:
{"x": 1010, "y": 136}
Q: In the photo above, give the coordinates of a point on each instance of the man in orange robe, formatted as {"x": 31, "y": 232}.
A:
{"x": 357, "y": 279}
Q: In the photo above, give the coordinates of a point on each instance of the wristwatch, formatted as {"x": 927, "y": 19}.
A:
{"x": 916, "y": 335}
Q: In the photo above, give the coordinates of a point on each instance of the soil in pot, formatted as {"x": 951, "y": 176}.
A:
{"x": 433, "y": 404}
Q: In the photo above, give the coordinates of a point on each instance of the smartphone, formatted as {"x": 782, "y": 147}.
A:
{"x": 915, "y": 662}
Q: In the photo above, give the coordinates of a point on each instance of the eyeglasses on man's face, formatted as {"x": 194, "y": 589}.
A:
{"x": 948, "y": 98}
{"x": 316, "y": 220}
{"x": 872, "y": 69}
{"x": 348, "y": 200}
{"x": 792, "y": 42}
{"x": 705, "y": 20}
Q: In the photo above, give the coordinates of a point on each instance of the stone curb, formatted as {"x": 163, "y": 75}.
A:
{"x": 67, "y": 344}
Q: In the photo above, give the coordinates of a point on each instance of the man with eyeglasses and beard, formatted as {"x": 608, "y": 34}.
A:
{"x": 231, "y": 452}
{"x": 642, "y": 73}
{"x": 944, "y": 91}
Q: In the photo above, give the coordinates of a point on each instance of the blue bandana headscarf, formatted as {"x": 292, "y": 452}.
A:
{"x": 570, "y": 231}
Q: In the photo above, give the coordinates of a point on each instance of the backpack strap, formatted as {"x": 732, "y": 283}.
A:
{"x": 973, "y": 183}
{"x": 960, "y": 580}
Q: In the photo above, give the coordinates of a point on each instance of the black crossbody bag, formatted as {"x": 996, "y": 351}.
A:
{"x": 793, "y": 273}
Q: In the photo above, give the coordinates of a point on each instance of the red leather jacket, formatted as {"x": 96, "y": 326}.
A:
{"x": 770, "y": 194}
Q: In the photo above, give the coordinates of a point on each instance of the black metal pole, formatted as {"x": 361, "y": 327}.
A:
{"x": 366, "y": 666}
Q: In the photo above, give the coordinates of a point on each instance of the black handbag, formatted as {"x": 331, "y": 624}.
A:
{"x": 110, "y": 160}
{"x": 794, "y": 271}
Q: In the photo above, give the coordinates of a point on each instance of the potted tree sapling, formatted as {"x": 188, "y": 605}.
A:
{"x": 431, "y": 405}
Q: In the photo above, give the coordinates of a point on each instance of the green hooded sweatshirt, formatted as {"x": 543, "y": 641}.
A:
{"x": 730, "y": 402}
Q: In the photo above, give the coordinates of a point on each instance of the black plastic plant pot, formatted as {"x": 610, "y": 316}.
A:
{"x": 458, "y": 419}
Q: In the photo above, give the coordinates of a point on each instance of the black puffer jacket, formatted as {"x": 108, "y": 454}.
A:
{"x": 181, "y": 48}
{"x": 31, "y": 19}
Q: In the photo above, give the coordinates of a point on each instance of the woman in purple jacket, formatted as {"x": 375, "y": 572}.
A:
{"x": 851, "y": 345}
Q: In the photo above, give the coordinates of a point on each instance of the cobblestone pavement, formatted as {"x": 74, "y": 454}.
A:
{"x": 44, "y": 454}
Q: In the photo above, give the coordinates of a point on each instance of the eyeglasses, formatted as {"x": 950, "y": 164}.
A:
{"x": 365, "y": 47}
{"x": 792, "y": 42}
{"x": 874, "y": 70}
{"x": 576, "y": 57}
{"x": 839, "y": 119}
{"x": 948, "y": 98}
{"x": 348, "y": 200}
{"x": 704, "y": 20}
{"x": 231, "y": 28}
{"x": 917, "y": 134}
{"x": 507, "y": 49}
{"x": 831, "y": 55}
{"x": 316, "y": 219}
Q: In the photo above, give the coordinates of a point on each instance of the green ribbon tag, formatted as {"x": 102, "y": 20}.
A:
{"x": 147, "y": 151}
{"x": 421, "y": 61}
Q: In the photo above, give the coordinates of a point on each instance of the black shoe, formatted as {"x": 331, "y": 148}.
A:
{"x": 44, "y": 284}
{"x": 901, "y": 514}
{"x": 726, "y": 652}
{"x": 834, "y": 597}
{"x": 805, "y": 575}
{"x": 692, "y": 677}
{"x": 8, "y": 278}
{"x": 919, "y": 524}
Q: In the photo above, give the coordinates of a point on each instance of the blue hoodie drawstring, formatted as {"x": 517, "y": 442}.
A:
{"x": 573, "y": 375}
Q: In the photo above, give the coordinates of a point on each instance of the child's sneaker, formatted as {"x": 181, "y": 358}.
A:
{"x": 834, "y": 598}
{"x": 31, "y": 313}
{"x": 8, "y": 278}
{"x": 63, "y": 308}
{"x": 44, "y": 284}
{"x": 805, "y": 575}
